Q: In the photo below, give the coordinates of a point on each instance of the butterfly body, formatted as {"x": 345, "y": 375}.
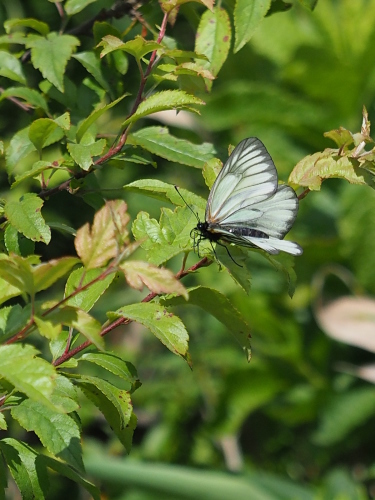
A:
{"x": 247, "y": 206}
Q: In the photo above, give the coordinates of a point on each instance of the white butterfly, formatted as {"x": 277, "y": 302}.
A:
{"x": 246, "y": 205}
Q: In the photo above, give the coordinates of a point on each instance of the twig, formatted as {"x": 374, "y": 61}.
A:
{"x": 125, "y": 321}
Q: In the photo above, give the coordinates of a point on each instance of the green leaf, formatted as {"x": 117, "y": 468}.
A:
{"x": 35, "y": 24}
{"x": 16, "y": 242}
{"x": 115, "y": 365}
{"x": 157, "y": 280}
{"x": 72, "y": 7}
{"x": 89, "y": 327}
{"x": 47, "y": 328}
{"x": 114, "y": 403}
{"x": 309, "y": 4}
{"x": 285, "y": 263}
{"x": 138, "y": 47}
{"x": 167, "y": 239}
{"x": 67, "y": 471}
{"x": 165, "y": 192}
{"x": 65, "y": 395}
{"x": 18, "y": 272}
{"x": 51, "y": 54}
{"x": 94, "y": 116}
{"x": 20, "y": 146}
{"x": 13, "y": 319}
{"x": 91, "y": 62}
{"x": 247, "y": 18}
{"x": 215, "y": 303}
{"x": 83, "y": 154}
{"x": 211, "y": 170}
{"x": 100, "y": 243}
{"x": 87, "y": 298}
{"x": 23, "y": 463}
{"x": 26, "y": 217}
{"x": 213, "y": 40}
{"x": 160, "y": 101}
{"x": 58, "y": 432}
{"x": 11, "y": 68}
{"x": 29, "y": 374}
{"x": 344, "y": 414}
{"x": 30, "y": 96}
{"x": 47, "y": 273}
{"x": 35, "y": 171}
{"x": 313, "y": 169}
{"x": 44, "y": 131}
{"x": 158, "y": 141}
{"x": 167, "y": 327}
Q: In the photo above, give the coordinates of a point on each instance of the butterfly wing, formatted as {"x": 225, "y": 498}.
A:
{"x": 248, "y": 177}
{"x": 246, "y": 201}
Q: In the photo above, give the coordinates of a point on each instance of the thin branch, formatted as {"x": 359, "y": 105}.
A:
{"x": 125, "y": 321}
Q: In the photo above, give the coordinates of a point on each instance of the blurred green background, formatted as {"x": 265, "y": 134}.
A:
{"x": 295, "y": 422}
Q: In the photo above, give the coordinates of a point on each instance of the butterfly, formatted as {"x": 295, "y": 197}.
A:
{"x": 247, "y": 206}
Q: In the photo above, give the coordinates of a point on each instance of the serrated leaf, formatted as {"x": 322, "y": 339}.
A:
{"x": 115, "y": 365}
{"x": 94, "y": 116}
{"x": 215, "y": 303}
{"x": 211, "y": 170}
{"x": 160, "y": 101}
{"x": 91, "y": 62}
{"x": 167, "y": 239}
{"x": 13, "y": 319}
{"x": 35, "y": 24}
{"x": 169, "y": 5}
{"x": 167, "y": 327}
{"x": 51, "y": 54}
{"x": 35, "y": 171}
{"x": 341, "y": 136}
{"x": 65, "y": 395}
{"x": 87, "y": 298}
{"x": 89, "y": 327}
{"x": 17, "y": 243}
{"x": 19, "y": 147}
{"x": 213, "y": 39}
{"x": 47, "y": 273}
{"x": 30, "y": 96}
{"x": 72, "y": 7}
{"x": 285, "y": 263}
{"x": 157, "y": 280}
{"x": 28, "y": 373}
{"x": 313, "y": 169}
{"x": 46, "y": 328}
{"x": 26, "y": 217}
{"x": 158, "y": 141}
{"x": 58, "y": 432}
{"x": 18, "y": 272}
{"x": 23, "y": 463}
{"x": 165, "y": 192}
{"x": 83, "y": 154}
{"x": 10, "y": 67}
{"x": 114, "y": 403}
{"x": 247, "y": 18}
{"x": 45, "y": 131}
{"x": 138, "y": 47}
{"x": 100, "y": 243}
{"x": 309, "y": 4}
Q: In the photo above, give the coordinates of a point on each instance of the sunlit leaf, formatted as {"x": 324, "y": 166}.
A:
{"x": 167, "y": 327}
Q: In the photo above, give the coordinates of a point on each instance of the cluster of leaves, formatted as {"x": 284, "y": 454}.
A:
{"x": 62, "y": 148}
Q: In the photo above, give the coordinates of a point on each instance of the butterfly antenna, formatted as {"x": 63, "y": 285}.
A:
{"x": 187, "y": 204}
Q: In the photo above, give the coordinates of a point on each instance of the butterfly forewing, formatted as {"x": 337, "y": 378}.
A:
{"x": 246, "y": 205}
{"x": 249, "y": 174}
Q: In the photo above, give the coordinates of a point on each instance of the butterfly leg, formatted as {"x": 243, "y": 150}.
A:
{"x": 228, "y": 252}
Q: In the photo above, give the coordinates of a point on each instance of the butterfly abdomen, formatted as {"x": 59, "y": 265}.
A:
{"x": 247, "y": 231}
